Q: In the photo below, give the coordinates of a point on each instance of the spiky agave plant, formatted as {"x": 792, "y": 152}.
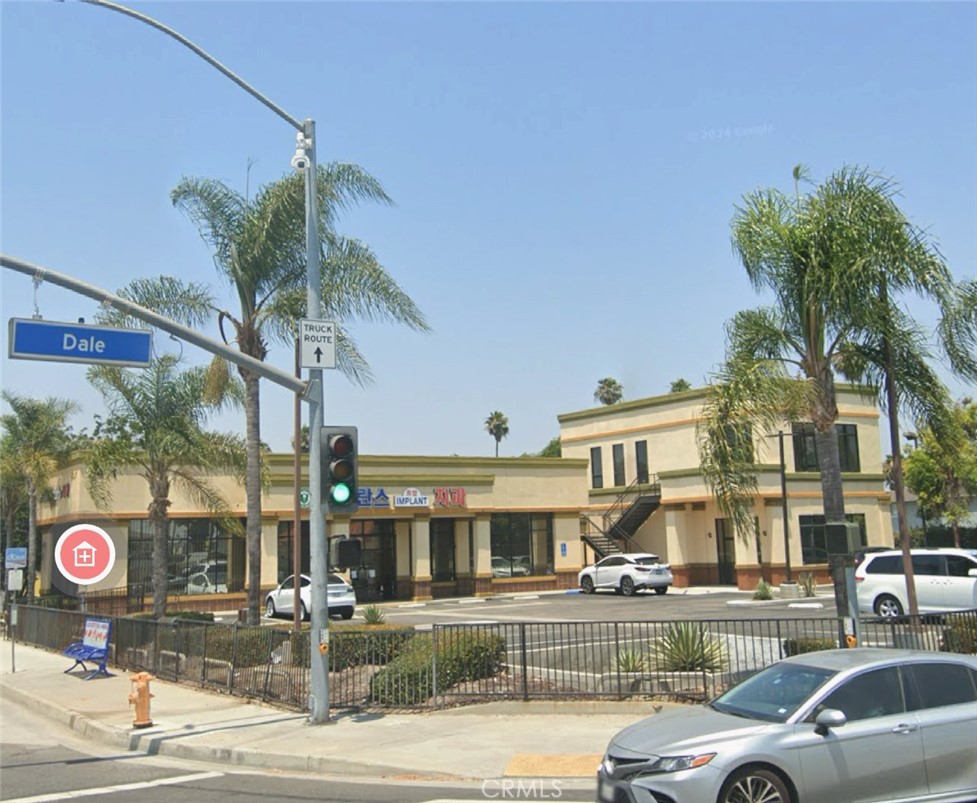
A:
{"x": 686, "y": 647}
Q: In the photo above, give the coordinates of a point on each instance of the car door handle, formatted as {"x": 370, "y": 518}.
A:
{"x": 905, "y": 728}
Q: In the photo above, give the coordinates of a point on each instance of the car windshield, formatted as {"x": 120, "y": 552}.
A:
{"x": 648, "y": 560}
{"x": 774, "y": 693}
{"x": 335, "y": 579}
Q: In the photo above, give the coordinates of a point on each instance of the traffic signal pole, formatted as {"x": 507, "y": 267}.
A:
{"x": 318, "y": 506}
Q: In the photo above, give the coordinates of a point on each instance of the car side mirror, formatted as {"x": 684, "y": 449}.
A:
{"x": 828, "y": 719}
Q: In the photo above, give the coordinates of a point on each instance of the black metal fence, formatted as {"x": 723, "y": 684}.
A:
{"x": 453, "y": 664}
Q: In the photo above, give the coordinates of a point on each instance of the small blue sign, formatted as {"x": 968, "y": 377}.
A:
{"x": 15, "y": 557}
{"x": 33, "y": 339}
{"x": 563, "y": 549}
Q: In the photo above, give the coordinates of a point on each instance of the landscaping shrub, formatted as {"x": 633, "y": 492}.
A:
{"x": 373, "y": 615}
{"x": 960, "y": 634}
{"x": 685, "y": 647}
{"x": 763, "y": 590}
{"x": 459, "y": 656}
{"x": 631, "y": 661}
{"x": 355, "y": 645}
{"x": 809, "y": 584}
{"x": 798, "y": 646}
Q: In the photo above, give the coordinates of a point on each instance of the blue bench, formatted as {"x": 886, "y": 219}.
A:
{"x": 94, "y": 648}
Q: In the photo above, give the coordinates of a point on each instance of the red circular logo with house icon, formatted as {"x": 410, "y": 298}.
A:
{"x": 84, "y": 554}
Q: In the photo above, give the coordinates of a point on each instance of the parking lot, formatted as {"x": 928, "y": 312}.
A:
{"x": 677, "y": 604}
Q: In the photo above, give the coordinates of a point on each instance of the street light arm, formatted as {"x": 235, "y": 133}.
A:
{"x": 204, "y": 55}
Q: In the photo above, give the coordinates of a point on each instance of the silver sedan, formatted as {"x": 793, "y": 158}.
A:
{"x": 859, "y": 726}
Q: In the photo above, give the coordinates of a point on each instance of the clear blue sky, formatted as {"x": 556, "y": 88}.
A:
{"x": 564, "y": 175}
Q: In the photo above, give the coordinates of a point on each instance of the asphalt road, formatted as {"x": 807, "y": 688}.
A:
{"x": 599, "y": 607}
{"x": 41, "y": 763}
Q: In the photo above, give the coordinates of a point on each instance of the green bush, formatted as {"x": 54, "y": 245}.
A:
{"x": 685, "y": 647}
{"x": 960, "y": 634}
{"x": 192, "y": 616}
{"x": 809, "y": 584}
{"x": 798, "y": 646}
{"x": 373, "y": 615}
{"x": 763, "y": 590}
{"x": 631, "y": 661}
{"x": 409, "y": 678}
{"x": 356, "y": 645}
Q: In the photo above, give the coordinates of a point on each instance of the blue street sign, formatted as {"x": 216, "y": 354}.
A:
{"x": 15, "y": 557}
{"x": 33, "y": 339}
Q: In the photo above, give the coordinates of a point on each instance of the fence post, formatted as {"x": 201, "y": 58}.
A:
{"x": 702, "y": 643}
{"x": 230, "y": 679}
{"x": 780, "y": 641}
{"x": 156, "y": 647}
{"x": 434, "y": 665}
{"x": 525, "y": 662}
{"x": 617, "y": 660}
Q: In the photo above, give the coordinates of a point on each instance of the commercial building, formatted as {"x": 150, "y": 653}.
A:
{"x": 431, "y": 527}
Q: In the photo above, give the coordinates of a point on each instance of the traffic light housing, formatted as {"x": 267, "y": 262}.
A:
{"x": 339, "y": 468}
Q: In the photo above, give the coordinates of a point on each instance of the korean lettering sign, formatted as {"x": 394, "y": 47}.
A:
{"x": 378, "y": 498}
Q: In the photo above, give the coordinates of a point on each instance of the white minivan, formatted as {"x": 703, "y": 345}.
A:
{"x": 946, "y": 580}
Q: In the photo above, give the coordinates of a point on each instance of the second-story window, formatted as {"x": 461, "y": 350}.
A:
{"x": 806, "y": 453}
{"x": 641, "y": 460}
{"x": 617, "y": 450}
{"x": 596, "y": 468}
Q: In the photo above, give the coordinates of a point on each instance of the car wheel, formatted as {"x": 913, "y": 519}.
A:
{"x": 627, "y": 586}
{"x": 661, "y": 590}
{"x": 303, "y": 613}
{"x": 888, "y": 607}
{"x": 347, "y": 613}
{"x": 754, "y": 785}
{"x": 587, "y": 584}
{"x": 270, "y": 608}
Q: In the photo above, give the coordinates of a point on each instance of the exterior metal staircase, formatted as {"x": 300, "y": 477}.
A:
{"x": 630, "y": 510}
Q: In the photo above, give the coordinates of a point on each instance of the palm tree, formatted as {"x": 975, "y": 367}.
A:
{"x": 37, "y": 438}
{"x": 155, "y": 423}
{"x": 259, "y": 250}
{"x": 609, "y": 391}
{"x": 679, "y": 385}
{"x": 497, "y": 425}
{"x": 833, "y": 260}
{"x": 13, "y": 498}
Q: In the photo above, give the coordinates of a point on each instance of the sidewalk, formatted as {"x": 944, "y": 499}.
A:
{"x": 494, "y": 740}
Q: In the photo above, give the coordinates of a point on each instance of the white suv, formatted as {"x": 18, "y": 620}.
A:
{"x": 946, "y": 580}
{"x": 627, "y": 574}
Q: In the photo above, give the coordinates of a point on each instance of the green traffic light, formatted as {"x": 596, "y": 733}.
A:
{"x": 340, "y": 493}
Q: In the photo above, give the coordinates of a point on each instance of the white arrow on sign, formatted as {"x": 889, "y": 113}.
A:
{"x": 317, "y": 344}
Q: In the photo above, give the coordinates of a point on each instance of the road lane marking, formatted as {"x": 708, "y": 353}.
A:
{"x": 123, "y": 787}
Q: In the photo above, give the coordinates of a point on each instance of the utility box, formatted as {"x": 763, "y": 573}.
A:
{"x": 841, "y": 538}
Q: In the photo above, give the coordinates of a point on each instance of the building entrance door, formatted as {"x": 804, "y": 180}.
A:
{"x": 726, "y": 552}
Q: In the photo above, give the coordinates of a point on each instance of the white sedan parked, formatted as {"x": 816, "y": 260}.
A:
{"x": 626, "y": 574}
{"x": 342, "y": 598}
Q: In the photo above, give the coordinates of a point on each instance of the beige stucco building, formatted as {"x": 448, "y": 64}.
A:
{"x": 460, "y": 526}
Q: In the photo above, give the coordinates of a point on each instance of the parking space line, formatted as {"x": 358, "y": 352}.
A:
{"x": 123, "y": 787}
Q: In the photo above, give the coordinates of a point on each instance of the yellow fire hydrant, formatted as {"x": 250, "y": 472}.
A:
{"x": 140, "y": 699}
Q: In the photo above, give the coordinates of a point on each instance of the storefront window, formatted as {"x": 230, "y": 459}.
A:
{"x": 522, "y": 544}
{"x": 814, "y": 547}
{"x": 442, "y": 550}
{"x": 202, "y": 558}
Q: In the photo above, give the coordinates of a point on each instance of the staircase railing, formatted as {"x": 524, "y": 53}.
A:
{"x": 630, "y": 543}
{"x": 624, "y": 499}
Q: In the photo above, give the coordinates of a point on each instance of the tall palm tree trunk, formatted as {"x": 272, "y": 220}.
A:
{"x": 160, "y": 524}
{"x": 31, "y": 537}
{"x": 252, "y": 484}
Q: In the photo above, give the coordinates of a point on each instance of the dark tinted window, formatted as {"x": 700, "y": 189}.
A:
{"x": 617, "y": 453}
{"x": 959, "y": 566}
{"x": 885, "y": 564}
{"x": 928, "y": 564}
{"x": 641, "y": 460}
{"x": 938, "y": 685}
{"x": 614, "y": 561}
{"x": 596, "y": 468}
{"x": 872, "y": 694}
